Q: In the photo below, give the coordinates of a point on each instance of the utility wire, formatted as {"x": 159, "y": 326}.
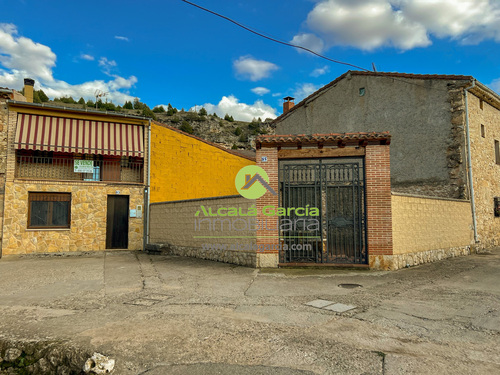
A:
{"x": 270, "y": 38}
{"x": 261, "y": 34}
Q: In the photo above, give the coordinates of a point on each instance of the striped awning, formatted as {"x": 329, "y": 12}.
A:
{"x": 46, "y": 133}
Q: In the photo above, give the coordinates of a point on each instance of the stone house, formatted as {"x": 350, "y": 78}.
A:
{"x": 73, "y": 180}
{"x": 444, "y": 152}
{"x": 77, "y": 180}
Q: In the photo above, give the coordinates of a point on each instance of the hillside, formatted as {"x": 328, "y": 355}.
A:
{"x": 226, "y": 132}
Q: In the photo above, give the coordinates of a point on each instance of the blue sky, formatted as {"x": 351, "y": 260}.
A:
{"x": 170, "y": 52}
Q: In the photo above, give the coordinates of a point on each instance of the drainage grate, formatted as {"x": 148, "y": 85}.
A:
{"x": 350, "y": 286}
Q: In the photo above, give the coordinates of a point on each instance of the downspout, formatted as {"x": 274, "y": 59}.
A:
{"x": 147, "y": 191}
{"x": 469, "y": 161}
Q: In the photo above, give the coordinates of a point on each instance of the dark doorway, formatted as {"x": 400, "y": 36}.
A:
{"x": 117, "y": 222}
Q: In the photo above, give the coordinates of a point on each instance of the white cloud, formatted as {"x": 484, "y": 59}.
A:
{"x": 241, "y": 111}
{"x": 260, "y": 91}
{"x": 404, "y": 24}
{"x": 124, "y": 38}
{"x": 87, "y": 57}
{"x": 309, "y": 41}
{"x": 23, "y": 54}
{"x": 304, "y": 90}
{"x": 107, "y": 65}
{"x": 21, "y": 57}
{"x": 320, "y": 71}
{"x": 249, "y": 68}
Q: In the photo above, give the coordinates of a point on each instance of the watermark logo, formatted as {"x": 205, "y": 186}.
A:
{"x": 252, "y": 182}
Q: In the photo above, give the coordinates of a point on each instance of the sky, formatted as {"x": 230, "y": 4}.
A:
{"x": 171, "y": 52}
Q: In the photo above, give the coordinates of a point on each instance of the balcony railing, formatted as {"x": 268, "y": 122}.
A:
{"x": 54, "y": 168}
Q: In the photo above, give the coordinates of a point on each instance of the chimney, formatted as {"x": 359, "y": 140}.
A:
{"x": 28, "y": 89}
{"x": 288, "y": 104}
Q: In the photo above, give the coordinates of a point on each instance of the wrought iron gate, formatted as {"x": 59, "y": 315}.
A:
{"x": 336, "y": 188}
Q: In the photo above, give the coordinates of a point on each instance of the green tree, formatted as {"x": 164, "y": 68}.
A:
{"x": 128, "y": 105}
{"x": 237, "y": 131}
{"x": 202, "y": 112}
{"x": 81, "y": 101}
{"x": 159, "y": 109}
{"x": 171, "y": 111}
{"x": 36, "y": 97}
{"x": 137, "y": 104}
{"x": 186, "y": 127}
{"x": 90, "y": 103}
{"x": 43, "y": 97}
{"x": 175, "y": 120}
{"x": 147, "y": 112}
{"x": 234, "y": 147}
{"x": 228, "y": 118}
{"x": 243, "y": 138}
{"x": 67, "y": 100}
{"x": 109, "y": 106}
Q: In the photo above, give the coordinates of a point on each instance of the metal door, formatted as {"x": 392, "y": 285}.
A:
{"x": 117, "y": 222}
{"x": 336, "y": 187}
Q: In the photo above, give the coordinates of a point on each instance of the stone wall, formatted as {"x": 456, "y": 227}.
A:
{"x": 3, "y": 159}
{"x": 486, "y": 171}
{"x": 88, "y": 218}
{"x": 184, "y": 229}
{"x": 424, "y": 117}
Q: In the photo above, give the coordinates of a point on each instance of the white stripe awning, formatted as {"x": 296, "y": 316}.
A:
{"x": 46, "y": 133}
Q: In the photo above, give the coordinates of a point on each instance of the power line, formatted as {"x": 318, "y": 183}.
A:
{"x": 274, "y": 39}
{"x": 270, "y": 38}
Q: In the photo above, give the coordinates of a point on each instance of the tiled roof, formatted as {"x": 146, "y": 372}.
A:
{"x": 377, "y": 74}
{"x": 333, "y": 138}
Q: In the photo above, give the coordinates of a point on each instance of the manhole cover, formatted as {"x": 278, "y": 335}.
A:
{"x": 350, "y": 286}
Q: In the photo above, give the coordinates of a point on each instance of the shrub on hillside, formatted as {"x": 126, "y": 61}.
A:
{"x": 186, "y": 127}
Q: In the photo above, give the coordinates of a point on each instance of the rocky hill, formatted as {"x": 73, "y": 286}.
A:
{"x": 225, "y": 132}
{"x": 231, "y": 134}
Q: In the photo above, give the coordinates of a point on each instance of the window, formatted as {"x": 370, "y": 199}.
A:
{"x": 497, "y": 152}
{"x": 96, "y": 176}
{"x": 481, "y": 103}
{"x": 483, "y": 131}
{"x": 496, "y": 202}
{"x": 362, "y": 91}
{"x": 49, "y": 210}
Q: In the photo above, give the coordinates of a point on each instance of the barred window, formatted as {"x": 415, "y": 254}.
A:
{"x": 49, "y": 210}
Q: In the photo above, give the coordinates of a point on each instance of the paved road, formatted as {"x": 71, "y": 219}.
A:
{"x": 174, "y": 315}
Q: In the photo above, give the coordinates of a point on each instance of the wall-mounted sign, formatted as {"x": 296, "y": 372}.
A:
{"x": 263, "y": 159}
{"x": 83, "y": 166}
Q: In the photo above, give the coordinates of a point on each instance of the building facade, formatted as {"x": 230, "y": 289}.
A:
{"x": 74, "y": 180}
{"x": 445, "y": 143}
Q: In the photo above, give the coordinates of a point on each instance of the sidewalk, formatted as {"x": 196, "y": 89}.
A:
{"x": 167, "y": 314}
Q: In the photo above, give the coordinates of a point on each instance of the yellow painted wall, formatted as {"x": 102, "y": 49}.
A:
{"x": 422, "y": 224}
{"x": 185, "y": 167}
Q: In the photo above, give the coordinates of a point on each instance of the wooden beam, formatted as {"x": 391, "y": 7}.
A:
{"x": 320, "y": 153}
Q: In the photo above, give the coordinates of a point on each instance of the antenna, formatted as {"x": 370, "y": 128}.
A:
{"x": 98, "y": 94}
{"x": 374, "y": 67}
